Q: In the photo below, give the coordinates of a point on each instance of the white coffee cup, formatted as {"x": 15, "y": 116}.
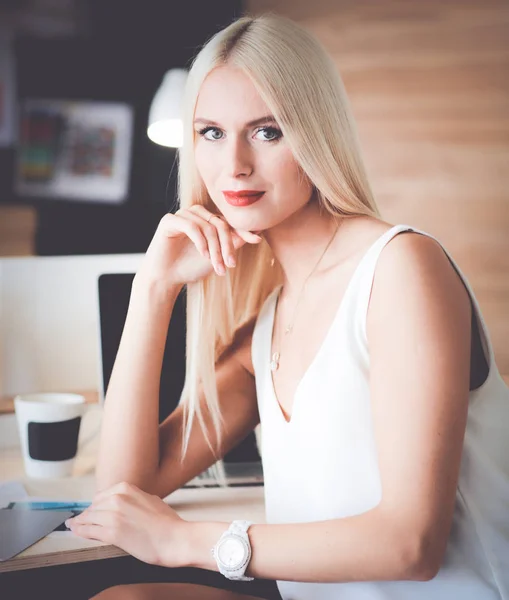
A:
{"x": 49, "y": 425}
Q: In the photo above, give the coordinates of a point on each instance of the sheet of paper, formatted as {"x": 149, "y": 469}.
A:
{"x": 11, "y": 491}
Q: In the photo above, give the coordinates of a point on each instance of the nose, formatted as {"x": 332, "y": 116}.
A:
{"x": 239, "y": 159}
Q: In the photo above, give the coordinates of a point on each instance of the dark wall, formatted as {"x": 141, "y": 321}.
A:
{"x": 126, "y": 51}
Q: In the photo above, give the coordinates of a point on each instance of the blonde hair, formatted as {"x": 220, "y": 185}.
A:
{"x": 300, "y": 84}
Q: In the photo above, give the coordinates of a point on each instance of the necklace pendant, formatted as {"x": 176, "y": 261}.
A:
{"x": 288, "y": 329}
{"x": 274, "y": 363}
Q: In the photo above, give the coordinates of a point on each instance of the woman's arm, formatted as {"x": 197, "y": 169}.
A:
{"x": 135, "y": 448}
{"x": 419, "y": 343}
{"x": 129, "y": 446}
{"x": 186, "y": 247}
{"x": 236, "y": 392}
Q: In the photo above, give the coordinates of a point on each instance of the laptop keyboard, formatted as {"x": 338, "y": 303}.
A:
{"x": 237, "y": 474}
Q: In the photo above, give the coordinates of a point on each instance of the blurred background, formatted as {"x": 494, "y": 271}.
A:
{"x": 428, "y": 81}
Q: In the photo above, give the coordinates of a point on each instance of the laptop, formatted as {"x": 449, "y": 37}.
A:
{"x": 242, "y": 465}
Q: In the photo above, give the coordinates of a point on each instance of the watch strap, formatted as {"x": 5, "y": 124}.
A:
{"x": 239, "y": 527}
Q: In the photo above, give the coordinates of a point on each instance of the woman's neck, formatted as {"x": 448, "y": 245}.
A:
{"x": 299, "y": 241}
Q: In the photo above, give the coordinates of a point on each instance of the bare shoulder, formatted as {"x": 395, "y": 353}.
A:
{"x": 417, "y": 256}
{"x": 415, "y": 267}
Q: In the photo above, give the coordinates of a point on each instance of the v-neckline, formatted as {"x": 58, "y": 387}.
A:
{"x": 323, "y": 343}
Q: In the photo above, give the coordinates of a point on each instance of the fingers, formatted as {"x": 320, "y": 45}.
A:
{"x": 92, "y": 516}
{"x": 102, "y": 525}
{"x": 223, "y": 239}
{"x": 226, "y": 241}
{"x": 174, "y": 222}
{"x": 210, "y": 230}
{"x": 92, "y": 532}
{"x": 105, "y": 510}
{"x": 213, "y": 237}
{"x": 248, "y": 236}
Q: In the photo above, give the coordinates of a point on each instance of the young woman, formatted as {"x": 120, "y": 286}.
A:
{"x": 361, "y": 351}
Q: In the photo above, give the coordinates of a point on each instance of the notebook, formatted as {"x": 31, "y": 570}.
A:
{"x": 243, "y": 466}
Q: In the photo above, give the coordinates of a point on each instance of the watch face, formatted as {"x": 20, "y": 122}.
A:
{"x": 232, "y": 552}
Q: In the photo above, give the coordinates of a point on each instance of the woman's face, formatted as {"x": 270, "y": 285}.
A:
{"x": 239, "y": 147}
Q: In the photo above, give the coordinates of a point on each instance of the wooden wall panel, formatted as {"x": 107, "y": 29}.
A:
{"x": 429, "y": 86}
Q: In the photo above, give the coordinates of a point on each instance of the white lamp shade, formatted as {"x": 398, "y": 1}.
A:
{"x": 165, "y": 115}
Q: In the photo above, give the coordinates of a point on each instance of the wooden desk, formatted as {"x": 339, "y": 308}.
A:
{"x": 63, "y": 548}
{"x": 59, "y": 548}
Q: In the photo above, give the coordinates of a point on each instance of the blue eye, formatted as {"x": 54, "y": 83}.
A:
{"x": 273, "y": 132}
{"x": 203, "y": 132}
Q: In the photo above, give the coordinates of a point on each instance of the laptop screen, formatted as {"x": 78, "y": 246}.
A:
{"x": 114, "y": 291}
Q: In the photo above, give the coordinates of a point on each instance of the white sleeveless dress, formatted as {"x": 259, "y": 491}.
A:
{"x": 336, "y": 475}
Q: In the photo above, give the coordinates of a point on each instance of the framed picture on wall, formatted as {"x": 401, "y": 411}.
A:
{"x": 74, "y": 150}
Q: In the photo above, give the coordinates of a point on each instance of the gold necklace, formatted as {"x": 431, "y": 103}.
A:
{"x": 276, "y": 356}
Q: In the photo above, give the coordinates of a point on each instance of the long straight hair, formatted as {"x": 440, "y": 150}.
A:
{"x": 301, "y": 85}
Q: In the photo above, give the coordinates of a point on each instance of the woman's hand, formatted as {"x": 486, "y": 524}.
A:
{"x": 189, "y": 244}
{"x": 140, "y": 524}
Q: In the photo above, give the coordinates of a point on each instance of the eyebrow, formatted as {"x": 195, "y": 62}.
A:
{"x": 266, "y": 119}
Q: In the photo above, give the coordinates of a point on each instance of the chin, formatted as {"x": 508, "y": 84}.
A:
{"x": 245, "y": 221}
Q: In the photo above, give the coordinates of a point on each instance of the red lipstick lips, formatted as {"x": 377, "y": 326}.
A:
{"x": 242, "y": 197}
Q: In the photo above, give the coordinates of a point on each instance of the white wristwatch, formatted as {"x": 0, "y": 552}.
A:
{"x": 233, "y": 551}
